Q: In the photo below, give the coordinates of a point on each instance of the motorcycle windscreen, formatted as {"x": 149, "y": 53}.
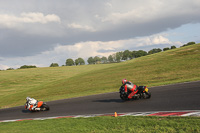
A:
{"x": 40, "y": 103}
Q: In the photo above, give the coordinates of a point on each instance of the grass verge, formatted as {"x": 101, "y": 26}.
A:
{"x": 107, "y": 124}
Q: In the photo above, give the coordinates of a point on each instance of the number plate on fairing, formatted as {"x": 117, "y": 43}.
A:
{"x": 146, "y": 89}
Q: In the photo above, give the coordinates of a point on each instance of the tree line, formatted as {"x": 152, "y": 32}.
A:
{"x": 114, "y": 58}
{"x": 122, "y": 56}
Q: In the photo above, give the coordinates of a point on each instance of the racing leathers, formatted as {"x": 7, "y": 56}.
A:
{"x": 129, "y": 86}
{"x": 31, "y": 103}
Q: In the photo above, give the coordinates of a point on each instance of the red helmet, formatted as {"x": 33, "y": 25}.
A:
{"x": 124, "y": 81}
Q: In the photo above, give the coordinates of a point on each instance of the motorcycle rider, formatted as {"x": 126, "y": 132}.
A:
{"x": 31, "y": 101}
{"x": 128, "y": 85}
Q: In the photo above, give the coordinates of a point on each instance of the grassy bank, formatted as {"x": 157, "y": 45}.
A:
{"x": 173, "y": 66}
{"x": 107, "y": 125}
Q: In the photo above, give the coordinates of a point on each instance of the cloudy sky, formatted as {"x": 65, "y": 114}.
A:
{"x": 41, "y": 32}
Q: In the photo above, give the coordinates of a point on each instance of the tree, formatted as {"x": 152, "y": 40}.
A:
{"x": 104, "y": 59}
{"x": 76, "y": 62}
{"x": 27, "y": 66}
{"x": 118, "y": 56}
{"x": 9, "y": 69}
{"x": 155, "y": 50}
{"x": 140, "y": 53}
{"x": 97, "y": 60}
{"x": 110, "y": 58}
{"x": 133, "y": 54}
{"x": 69, "y": 62}
{"x": 126, "y": 55}
{"x": 90, "y": 60}
{"x": 54, "y": 65}
{"x": 189, "y": 43}
{"x": 173, "y": 47}
{"x": 165, "y": 49}
{"x": 114, "y": 57}
{"x": 79, "y": 61}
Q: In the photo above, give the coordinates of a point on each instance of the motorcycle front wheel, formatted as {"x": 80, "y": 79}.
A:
{"x": 148, "y": 95}
{"x": 45, "y": 107}
{"x": 124, "y": 98}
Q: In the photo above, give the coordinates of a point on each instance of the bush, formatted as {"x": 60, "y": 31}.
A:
{"x": 165, "y": 49}
{"x": 10, "y": 69}
{"x": 173, "y": 47}
{"x": 54, "y": 65}
{"x": 155, "y": 50}
{"x": 189, "y": 43}
{"x": 27, "y": 66}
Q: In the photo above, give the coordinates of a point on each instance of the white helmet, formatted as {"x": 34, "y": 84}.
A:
{"x": 28, "y": 98}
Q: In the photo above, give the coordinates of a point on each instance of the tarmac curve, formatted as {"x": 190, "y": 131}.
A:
{"x": 182, "y": 96}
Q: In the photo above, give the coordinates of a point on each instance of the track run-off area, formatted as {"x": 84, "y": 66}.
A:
{"x": 181, "y": 99}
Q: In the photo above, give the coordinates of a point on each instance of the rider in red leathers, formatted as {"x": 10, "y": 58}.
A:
{"x": 128, "y": 85}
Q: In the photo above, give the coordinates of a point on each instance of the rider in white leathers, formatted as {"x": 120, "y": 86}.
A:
{"x": 31, "y": 101}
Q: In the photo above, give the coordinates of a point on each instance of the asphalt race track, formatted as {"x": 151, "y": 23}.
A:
{"x": 177, "y": 97}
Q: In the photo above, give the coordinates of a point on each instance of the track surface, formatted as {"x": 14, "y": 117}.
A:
{"x": 184, "y": 96}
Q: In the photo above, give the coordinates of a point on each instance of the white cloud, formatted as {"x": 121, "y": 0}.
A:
{"x": 99, "y": 48}
{"x": 160, "y": 40}
{"x": 12, "y": 21}
{"x": 81, "y": 27}
{"x": 38, "y": 18}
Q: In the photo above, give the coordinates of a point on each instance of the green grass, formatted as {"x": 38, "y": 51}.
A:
{"x": 107, "y": 124}
{"x": 173, "y": 66}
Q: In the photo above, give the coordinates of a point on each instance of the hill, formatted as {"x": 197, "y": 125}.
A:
{"x": 172, "y": 66}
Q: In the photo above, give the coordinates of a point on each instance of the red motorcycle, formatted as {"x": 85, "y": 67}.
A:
{"x": 41, "y": 106}
{"x": 143, "y": 92}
